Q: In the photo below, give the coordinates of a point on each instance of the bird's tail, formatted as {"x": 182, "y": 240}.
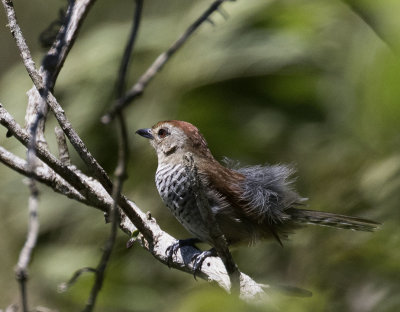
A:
{"x": 304, "y": 216}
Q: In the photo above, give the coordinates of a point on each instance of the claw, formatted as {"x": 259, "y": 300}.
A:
{"x": 173, "y": 249}
{"x": 199, "y": 258}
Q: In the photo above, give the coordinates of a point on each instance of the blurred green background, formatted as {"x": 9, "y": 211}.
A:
{"x": 302, "y": 82}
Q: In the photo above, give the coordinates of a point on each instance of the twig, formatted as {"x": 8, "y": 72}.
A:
{"x": 120, "y": 176}
{"x": 55, "y": 57}
{"x": 41, "y": 174}
{"x": 64, "y": 286}
{"x": 68, "y": 173}
{"x": 63, "y": 153}
{"x": 21, "y": 271}
{"x": 158, "y": 64}
{"x": 17, "y": 34}
{"x": 217, "y": 237}
{"x": 121, "y": 81}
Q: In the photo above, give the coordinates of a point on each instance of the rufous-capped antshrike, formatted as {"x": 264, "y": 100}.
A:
{"x": 248, "y": 203}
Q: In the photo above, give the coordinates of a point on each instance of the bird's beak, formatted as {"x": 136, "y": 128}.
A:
{"x": 146, "y": 133}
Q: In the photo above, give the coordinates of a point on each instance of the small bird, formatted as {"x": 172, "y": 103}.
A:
{"x": 248, "y": 203}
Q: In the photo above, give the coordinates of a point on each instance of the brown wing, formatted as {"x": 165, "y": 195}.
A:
{"x": 230, "y": 210}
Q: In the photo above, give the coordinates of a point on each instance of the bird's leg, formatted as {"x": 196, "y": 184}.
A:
{"x": 199, "y": 259}
{"x": 173, "y": 249}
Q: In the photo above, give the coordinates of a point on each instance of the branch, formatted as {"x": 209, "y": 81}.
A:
{"x": 64, "y": 286}
{"x": 55, "y": 57}
{"x": 120, "y": 176}
{"x": 53, "y": 62}
{"x": 158, "y": 64}
{"x": 21, "y": 270}
{"x": 63, "y": 152}
{"x": 73, "y": 137}
{"x": 20, "y": 41}
{"x": 121, "y": 81}
{"x": 42, "y": 174}
{"x": 89, "y": 188}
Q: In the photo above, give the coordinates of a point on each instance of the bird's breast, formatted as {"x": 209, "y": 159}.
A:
{"x": 174, "y": 187}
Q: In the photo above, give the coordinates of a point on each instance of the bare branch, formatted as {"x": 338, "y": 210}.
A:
{"x": 55, "y": 57}
{"x": 120, "y": 176}
{"x": 213, "y": 269}
{"x": 121, "y": 81}
{"x": 64, "y": 286}
{"x": 88, "y": 188}
{"x": 63, "y": 153}
{"x": 158, "y": 64}
{"x": 98, "y": 172}
{"x": 53, "y": 62}
{"x": 20, "y": 41}
{"x": 42, "y": 174}
{"x": 21, "y": 270}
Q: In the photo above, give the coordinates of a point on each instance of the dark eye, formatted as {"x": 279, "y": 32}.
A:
{"x": 162, "y": 133}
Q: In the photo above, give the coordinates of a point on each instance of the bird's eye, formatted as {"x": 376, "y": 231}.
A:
{"x": 162, "y": 133}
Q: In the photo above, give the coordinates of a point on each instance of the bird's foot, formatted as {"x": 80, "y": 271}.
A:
{"x": 173, "y": 249}
{"x": 199, "y": 258}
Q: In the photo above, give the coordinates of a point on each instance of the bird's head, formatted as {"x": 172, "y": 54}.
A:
{"x": 174, "y": 138}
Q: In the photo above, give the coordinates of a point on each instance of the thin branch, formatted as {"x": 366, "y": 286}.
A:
{"x": 55, "y": 57}
{"x": 120, "y": 176}
{"x": 17, "y": 34}
{"x": 158, "y": 64}
{"x": 69, "y": 173}
{"x": 41, "y": 174}
{"x": 65, "y": 286}
{"x": 53, "y": 62}
{"x": 63, "y": 152}
{"x": 21, "y": 271}
{"x": 121, "y": 81}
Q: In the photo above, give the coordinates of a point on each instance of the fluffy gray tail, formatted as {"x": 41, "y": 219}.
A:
{"x": 303, "y": 216}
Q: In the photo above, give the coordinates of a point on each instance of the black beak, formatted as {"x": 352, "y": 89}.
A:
{"x": 146, "y": 133}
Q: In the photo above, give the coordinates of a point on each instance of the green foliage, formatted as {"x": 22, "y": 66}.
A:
{"x": 301, "y": 81}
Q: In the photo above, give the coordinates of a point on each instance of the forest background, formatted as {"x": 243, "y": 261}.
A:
{"x": 311, "y": 83}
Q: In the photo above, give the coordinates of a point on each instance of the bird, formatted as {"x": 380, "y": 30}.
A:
{"x": 249, "y": 203}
